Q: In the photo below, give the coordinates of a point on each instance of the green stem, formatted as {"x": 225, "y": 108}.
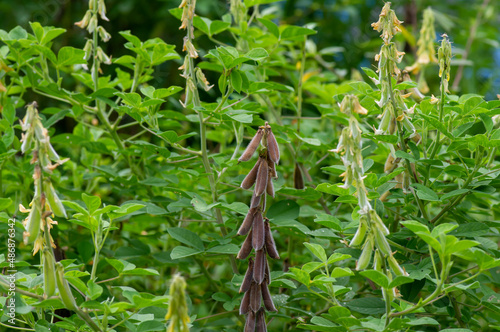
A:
{"x": 299, "y": 84}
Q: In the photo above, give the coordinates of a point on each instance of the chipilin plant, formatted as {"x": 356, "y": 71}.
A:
{"x": 256, "y": 227}
{"x": 177, "y": 310}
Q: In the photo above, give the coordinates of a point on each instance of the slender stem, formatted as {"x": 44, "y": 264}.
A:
{"x": 299, "y": 84}
{"x": 5, "y": 284}
{"x": 437, "y": 144}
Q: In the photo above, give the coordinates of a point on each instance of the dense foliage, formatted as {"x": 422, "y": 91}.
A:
{"x": 366, "y": 200}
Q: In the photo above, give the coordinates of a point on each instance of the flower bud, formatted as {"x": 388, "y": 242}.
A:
{"x": 103, "y": 34}
{"x": 202, "y": 80}
{"x": 444, "y": 56}
{"x": 86, "y": 19}
{"x": 102, "y": 10}
{"x": 395, "y": 267}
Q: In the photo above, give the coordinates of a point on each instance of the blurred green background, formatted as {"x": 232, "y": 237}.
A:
{"x": 340, "y": 23}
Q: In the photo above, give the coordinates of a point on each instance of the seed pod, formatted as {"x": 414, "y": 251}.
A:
{"x": 255, "y": 294}
{"x": 246, "y": 225}
{"x": 258, "y": 235}
{"x": 64, "y": 290}
{"x": 298, "y": 180}
{"x": 273, "y": 150}
{"x": 378, "y": 222}
{"x": 252, "y": 146}
{"x": 382, "y": 243}
{"x": 250, "y": 323}
{"x": 358, "y": 238}
{"x": 270, "y": 244}
{"x": 272, "y": 169}
{"x": 266, "y": 297}
{"x": 261, "y": 321}
{"x": 391, "y": 163}
{"x": 252, "y": 175}
{"x": 395, "y": 267}
{"x": 262, "y": 178}
{"x": 245, "y": 302}
{"x": 32, "y": 224}
{"x": 377, "y": 261}
{"x": 270, "y": 186}
{"x": 255, "y": 201}
{"x": 267, "y": 274}
{"x": 55, "y": 203}
{"x": 259, "y": 267}
{"x": 247, "y": 280}
{"x": 366, "y": 255}
{"x": 49, "y": 273}
{"x": 388, "y": 294}
{"x": 246, "y": 247}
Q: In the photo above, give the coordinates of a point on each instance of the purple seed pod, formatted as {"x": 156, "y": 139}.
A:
{"x": 262, "y": 178}
{"x": 247, "y": 280}
{"x": 246, "y": 225}
{"x": 252, "y": 176}
{"x": 272, "y": 169}
{"x": 255, "y": 297}
{"x": 261, "y": 322}
{"x": 267, "y": 275}
{"x": 250, "y": 323}
{"x": 245, "y": 302}
{"x": 270, "y": 244}
{"x": 266, "y": 297}
{"x": 259, "y": 268}
{"x": 246, "y": 247}
{"x": 270, "y": 187}
{"x": 255, "y": 201}
{"x": 258, "y": 235}
{"x": 252, "y": 146}
{"x": 273, "y": 150}
{"x": 298, "y": 180}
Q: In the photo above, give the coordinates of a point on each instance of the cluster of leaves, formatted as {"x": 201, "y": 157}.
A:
{"x": 135, "y": 148}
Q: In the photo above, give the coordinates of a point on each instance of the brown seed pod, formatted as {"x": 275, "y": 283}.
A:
{"x": 246, "y": 247}
{"x": 261, "y": 322}
{"x": 245, "y": 302}
{"x": 270, "y": 244}
{"x": 247, "y": 280}
{"x": 273, "y": 150}
{"x": 255, "y": 294}
{"x": 246, "y": 225}
{"x": 249, "y": 180}
{"x": 252, "y": 146}
{"x": 255, "y": 201}
{"x": 270, "y": 187}
{"x": 267, "y": 275}
{"x": 266, "y": 297}
{"x": 258, "y": 235}
{"x": 250, "y": 323}
{"x": 259, "y": 268}
{"x": 272, "y": 169}
{"x": 298, "y": 180}
{"x": 262, "y": 178}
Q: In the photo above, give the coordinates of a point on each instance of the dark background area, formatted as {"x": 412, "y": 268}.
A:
{"x": 344, "y": 23}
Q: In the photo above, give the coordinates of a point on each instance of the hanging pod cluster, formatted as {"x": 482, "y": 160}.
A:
{"x": 256, "y": 227}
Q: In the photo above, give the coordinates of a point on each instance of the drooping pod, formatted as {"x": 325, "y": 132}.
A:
{"x": 246, "y": 247}
{"x": 49, "y": 273}
{"x": 270, "y": 186}
{"x": 246, "y": 225}
{"x": 259, "y": 267}
{"x": 298, "y": 180}
{"x": 252, "y": 146}
{"x": 272, "y": 169}
{"x": 247, "y": 280}
{"x": 64, "y": 290}
{"x": 249, "y": 180}
{"x": 261, "y": 322}
{"x": 255, "y": 297}
{"x": 266, "y": 297}
{"x": 250, "y": 323}
{"x": 358, "y": 238}
{"x": 245, "y": 303}
{"x": 262, "y": 178}
{"x": 366, "y": 255}
{"x": 272, "y": 147}
{"x": 258, "y": 235}
{"x": 270, "y": 244}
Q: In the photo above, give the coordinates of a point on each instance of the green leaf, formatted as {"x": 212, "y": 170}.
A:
{"x": 430, "y": 240}
{"x": 462, "y": 245}
{"x": 328, "y": 221}
{"x": 5, "y": 203}
{"x": 367, "y": 305}
{"x": 182, "y": 252}
{"x": 316, "y": 250}
{"x": 425, "y": 193}
{"x": 69, "y": 56}
{"x": 336, "y": 257}
{"x": 271, "y": 26}
{"x": 229, "y": 249}
{"x": 400, "y": 280}
{"x": 186, "y": 236}
{"x": 124, "y": 210}
{"x": 292, "y": 32}
{"x": 437, "y": 124}
{"x": 75, "y": 206}
{"x": 283, "y": 210}
{"x": 377, "y": 277}
{"x": 150, "y": 325}
{"x": 339, "y": 272}
{"x": 300, "y": 275}
{"x": 93, "y": 290}
{"x": 454, "y": 193}
{"x": 415, "y": 226}
{"x": 256, "y": 54}
{"x": 92, "y": 202}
